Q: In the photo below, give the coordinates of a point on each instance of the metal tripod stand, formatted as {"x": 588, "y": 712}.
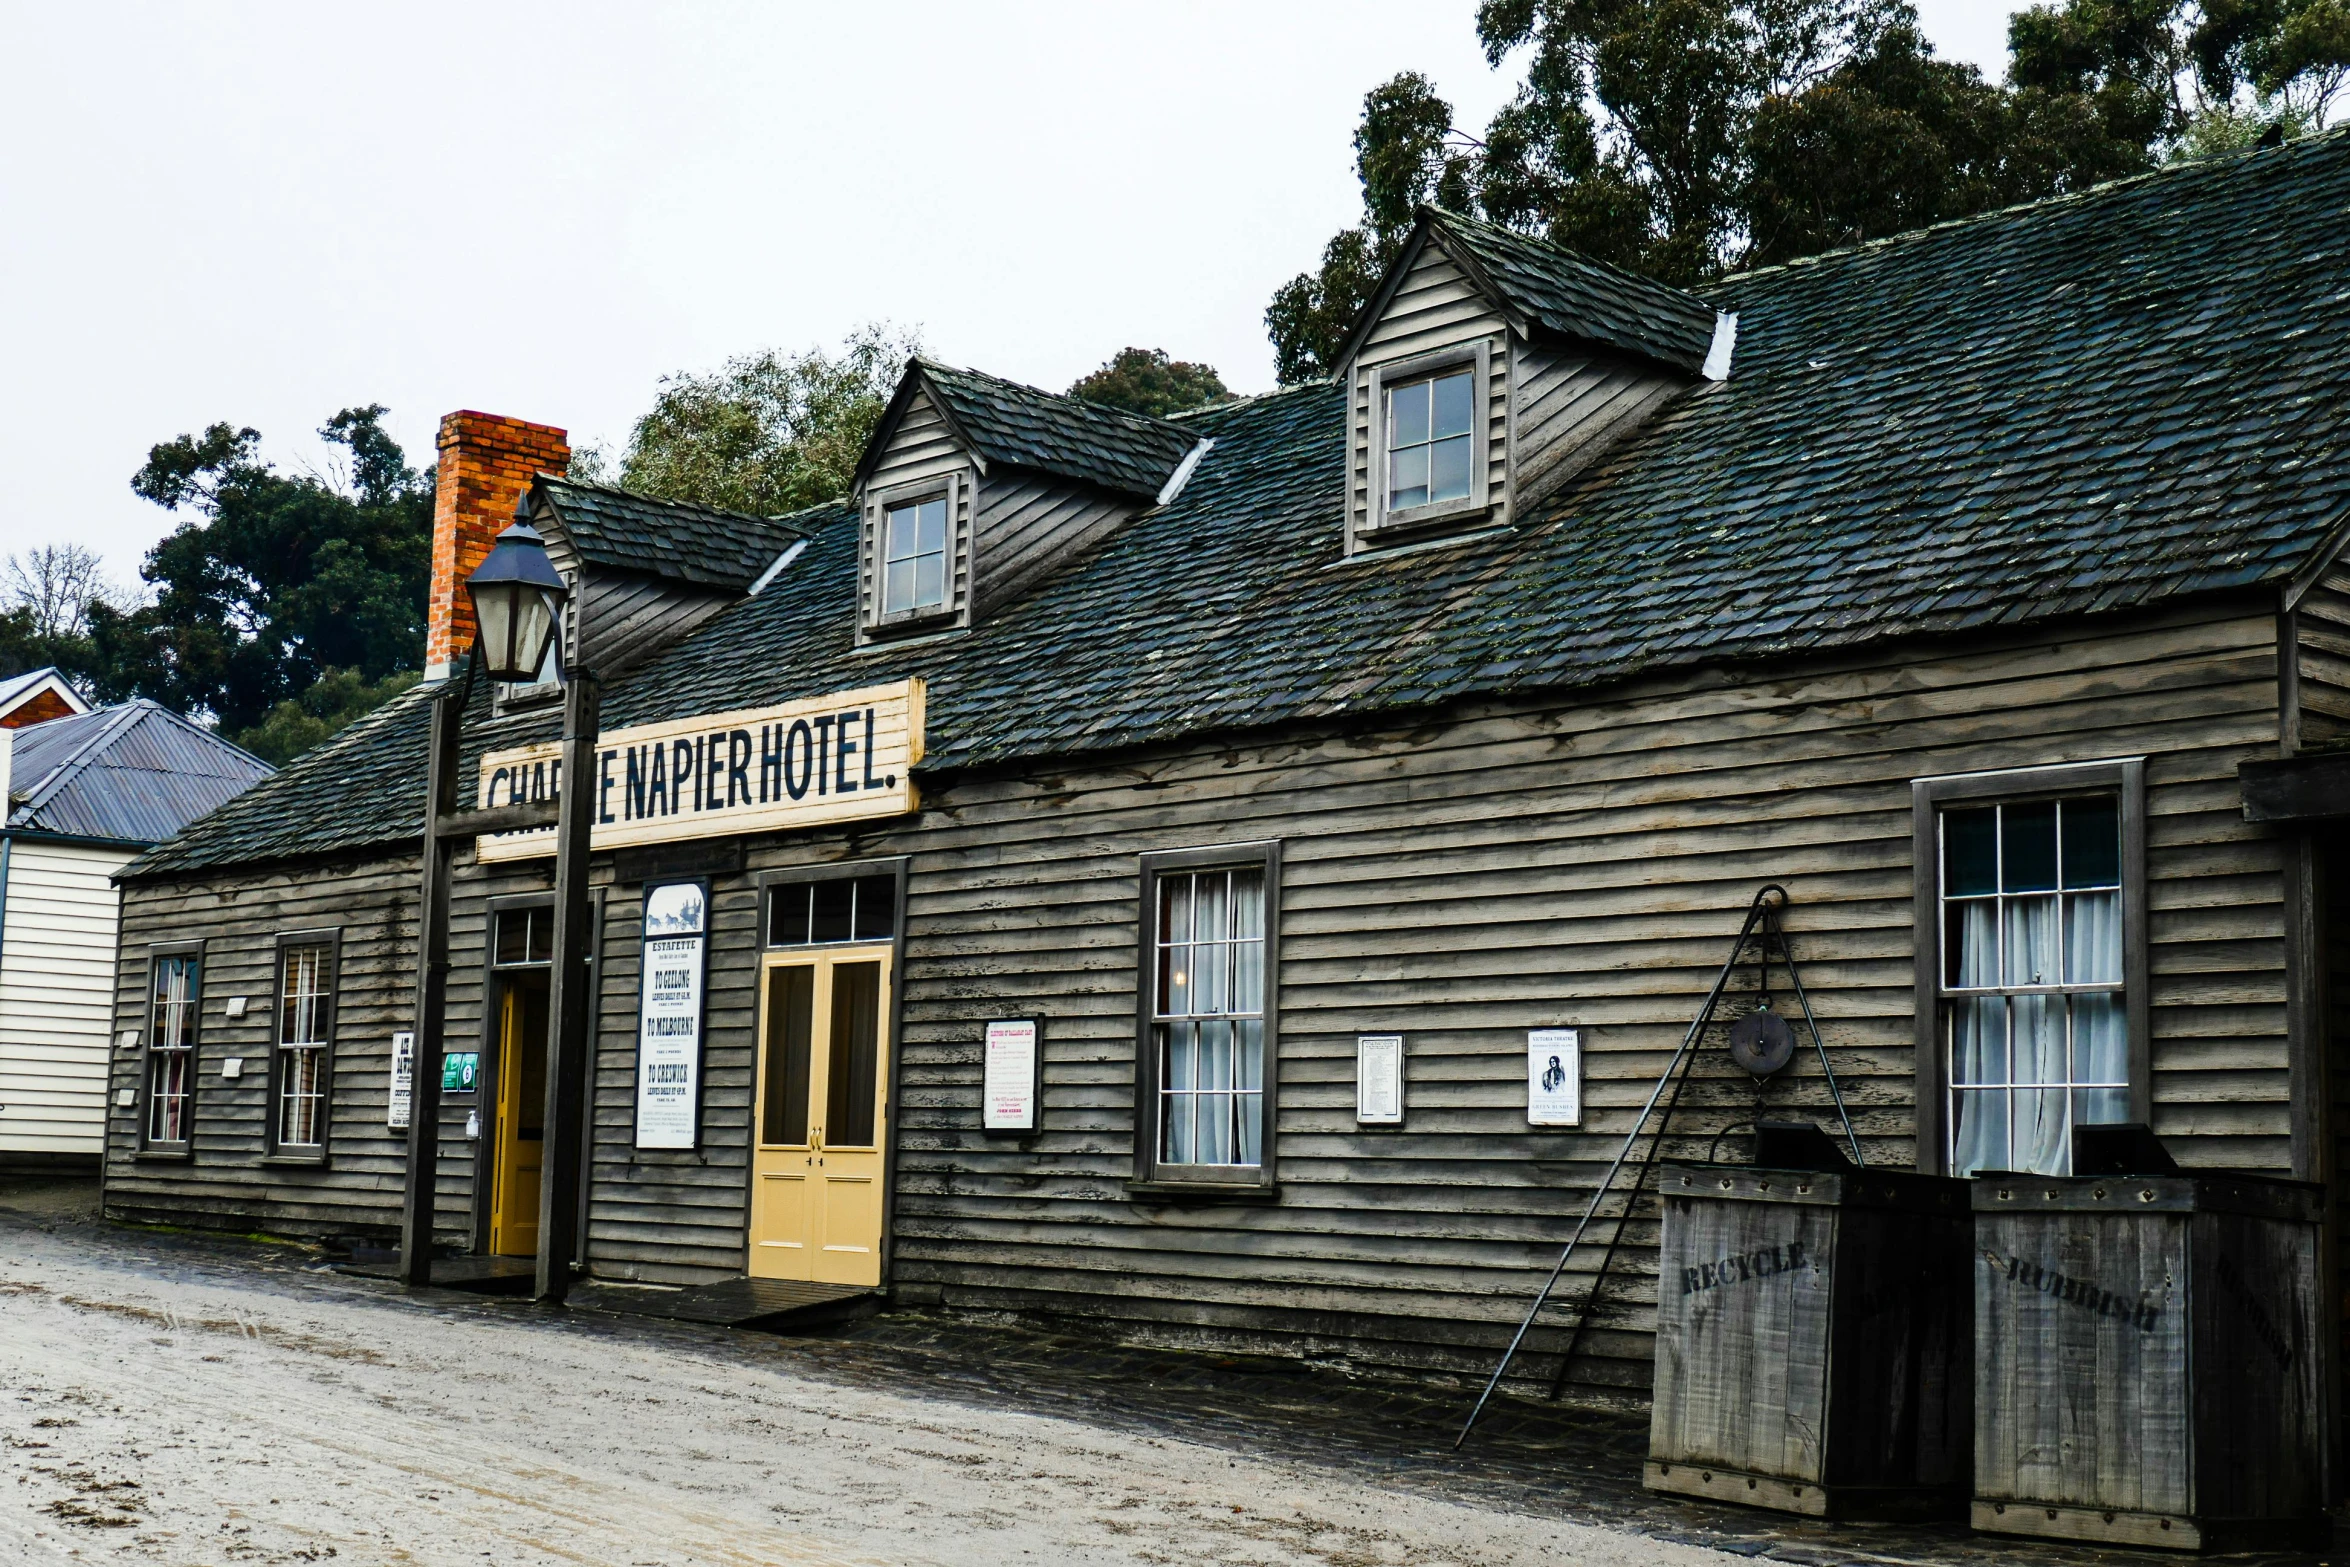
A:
{"x": 1762, "y": 928}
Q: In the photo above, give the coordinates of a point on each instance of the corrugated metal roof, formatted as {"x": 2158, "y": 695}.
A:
{"x": 137, "y": 773}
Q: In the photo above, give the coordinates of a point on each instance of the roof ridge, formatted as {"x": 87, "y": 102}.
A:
{"x": 2209, "y": 163}
{"x": 1564, "y": 252}
{"x": 642, "y": 498}
{"x": 1147, "y": 424}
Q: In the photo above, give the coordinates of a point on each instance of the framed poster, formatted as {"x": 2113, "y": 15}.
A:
{"x": 1379, "y": 1079}
{"x": 1554, "y": 1077}
{"x": 1013, "y": 1078}
{"x": 669, "y": 1014}
{"x": 403, "y": 1095}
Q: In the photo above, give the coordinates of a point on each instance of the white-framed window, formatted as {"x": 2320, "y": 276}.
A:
{"x": 915, "y": 543}
{"x": 305, "y": 1036}
{"x": 1428, "y": 462}
{"x": 2033, "y": 963}
{"x": 1431, "y": 425}
{"x": 174, "y": 994}
{"x": 1208, "y": 1037}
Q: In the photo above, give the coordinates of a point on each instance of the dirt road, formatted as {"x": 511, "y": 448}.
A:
{"x": 163, "y": 1411}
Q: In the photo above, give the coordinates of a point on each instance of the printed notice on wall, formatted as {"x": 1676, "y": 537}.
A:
{"x": 1379, "y": 1079}
{"x": 1009, "y": 1092}
{"x": 669, "y": 1016}
{"x": 1554, "y": 1077}
{"x": 403, "y": 1081}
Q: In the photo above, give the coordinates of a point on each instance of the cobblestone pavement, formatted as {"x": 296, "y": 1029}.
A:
{"x": 1335, "y": 1453}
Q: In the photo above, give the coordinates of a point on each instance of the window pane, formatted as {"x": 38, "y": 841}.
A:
{"x": 1407, "y": 478}
{"x": 1175, "y": 909}
{"x": 900, "y": 535}
{"x": 1449, "y": 472}
{"x": 2092, "y": 843}
{"x": 930, "y": 533}
{"x": 897, "y": 586}
{"x": 1978, "y": 1041}
{"x": 855, "y": 1062}
{"x": 168, "y": 1097}
{"x": 1970, "y": 944}
{"x": 1407, "y": 415}
{"x": 877, "y": 907}
{"x": 2036, "y": 1039}
{"x": 302, "y": 997}
{"x": 930, "y": 581}
{"x": 1978, "y": 1121}
{"x": 2027, "y": 852}
{"x": 2101, "y": 1041}
{"x": 542, "y": 935}
{"x": 1248, "y": 1053}
{"x": 513, "y": 934}
{"x": 1452, "y": 404}
{"x": 1175, "y": 980}
{"x": 1970, "y": 852}
{"x": 2032, "y": 957}
{"x": 833, "y": 915}
{"x": 2043, "y": 1132}
{"x": 2100, "y": 1106}
{"x": 787, "y": 920}
{"x": 2093, "y": 938}
{"x": 1248, "y": 1112}
{"x": 791, "y": 1011}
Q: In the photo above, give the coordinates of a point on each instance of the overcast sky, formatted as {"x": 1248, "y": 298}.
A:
{"x": 265, "y": 213}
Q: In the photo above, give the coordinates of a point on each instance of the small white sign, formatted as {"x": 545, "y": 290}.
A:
{"x": 1379, "y": 1079}
{"x": 124, "y": 1098}
{"x": 1009, "y": 1092}
{"x": 1554, "y": 1077}
{"x": 236, "y": 1006}
{"x": 128, "y": 1039}
{"x": 669, "y": 1016}
{"x": 232, "y": 1066}
{"x": 403, "y": 1081}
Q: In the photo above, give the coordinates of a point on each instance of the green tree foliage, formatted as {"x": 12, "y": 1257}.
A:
{"x": 1146, "y": 381}
{"x": 766, "y": 434}
{"x": 334, "y": 700}
{"x": 275, "y": 580}
{"x": 1683, "y": 138}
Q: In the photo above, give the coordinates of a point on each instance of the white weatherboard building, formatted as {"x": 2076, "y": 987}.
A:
{"x": 85, "y": 793}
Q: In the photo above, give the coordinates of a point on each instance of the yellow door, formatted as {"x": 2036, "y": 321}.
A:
{"x": 822, "y": 1118}
{"x": 522, "y": 1106}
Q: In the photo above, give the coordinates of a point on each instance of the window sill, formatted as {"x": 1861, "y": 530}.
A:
{"x": 294, "y": 1161}
{"x": 894, "y": 628}
{"x": 1419, "y": 519}
{"x": 165, "y": 1155}
{"x": 1204, "y": 1191}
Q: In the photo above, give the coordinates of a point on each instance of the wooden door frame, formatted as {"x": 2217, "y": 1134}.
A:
{"x": 799, "y": 875}
{"x": 485, "y": 1081}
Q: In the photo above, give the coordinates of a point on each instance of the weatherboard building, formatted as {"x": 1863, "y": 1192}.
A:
{"x": 1233, "y": 878}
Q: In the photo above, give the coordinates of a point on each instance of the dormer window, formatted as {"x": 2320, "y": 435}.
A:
{"x": 1428, "y": 446}
{"x": 914, "y": 557}
{"x": 1430, "y": 415}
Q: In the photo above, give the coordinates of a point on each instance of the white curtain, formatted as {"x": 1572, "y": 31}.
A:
{"x": 1978, "y": 1041}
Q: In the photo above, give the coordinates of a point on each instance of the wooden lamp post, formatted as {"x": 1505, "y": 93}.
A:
{"x": 518, "y": 600}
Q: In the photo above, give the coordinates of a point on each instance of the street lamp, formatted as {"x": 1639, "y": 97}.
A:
{"x": 518, "y": 600}
{"x": 518, "y": 604}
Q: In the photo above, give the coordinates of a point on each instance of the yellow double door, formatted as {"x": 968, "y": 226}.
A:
{"x": 822, "y": 1116}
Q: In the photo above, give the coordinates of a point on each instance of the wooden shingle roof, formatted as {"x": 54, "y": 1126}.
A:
{"x": 2107, "y": 402}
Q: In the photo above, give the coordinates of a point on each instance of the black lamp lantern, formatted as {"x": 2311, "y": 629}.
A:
{"x": 518, "y": 604}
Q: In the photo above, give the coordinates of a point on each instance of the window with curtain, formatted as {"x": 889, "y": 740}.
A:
{"x": 171, "y": 1045}
{"x": 1208, "y": 1016}
{"x": 2036, "y": 1026}
{"x": 304, "y": 1017}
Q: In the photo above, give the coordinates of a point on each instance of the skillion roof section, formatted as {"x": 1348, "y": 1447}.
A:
{"x": 2100, "y": 403}
{"x": 1020, "y": 427}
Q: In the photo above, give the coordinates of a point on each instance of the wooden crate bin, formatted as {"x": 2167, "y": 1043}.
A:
{"x": 2146, "y": 1368}
{"x": 1811, "y": 1341}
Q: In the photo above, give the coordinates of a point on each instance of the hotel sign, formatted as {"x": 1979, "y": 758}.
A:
{"x": 836, "y": 758}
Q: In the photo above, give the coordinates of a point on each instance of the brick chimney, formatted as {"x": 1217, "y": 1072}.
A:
{"x": 486, "y": 463}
